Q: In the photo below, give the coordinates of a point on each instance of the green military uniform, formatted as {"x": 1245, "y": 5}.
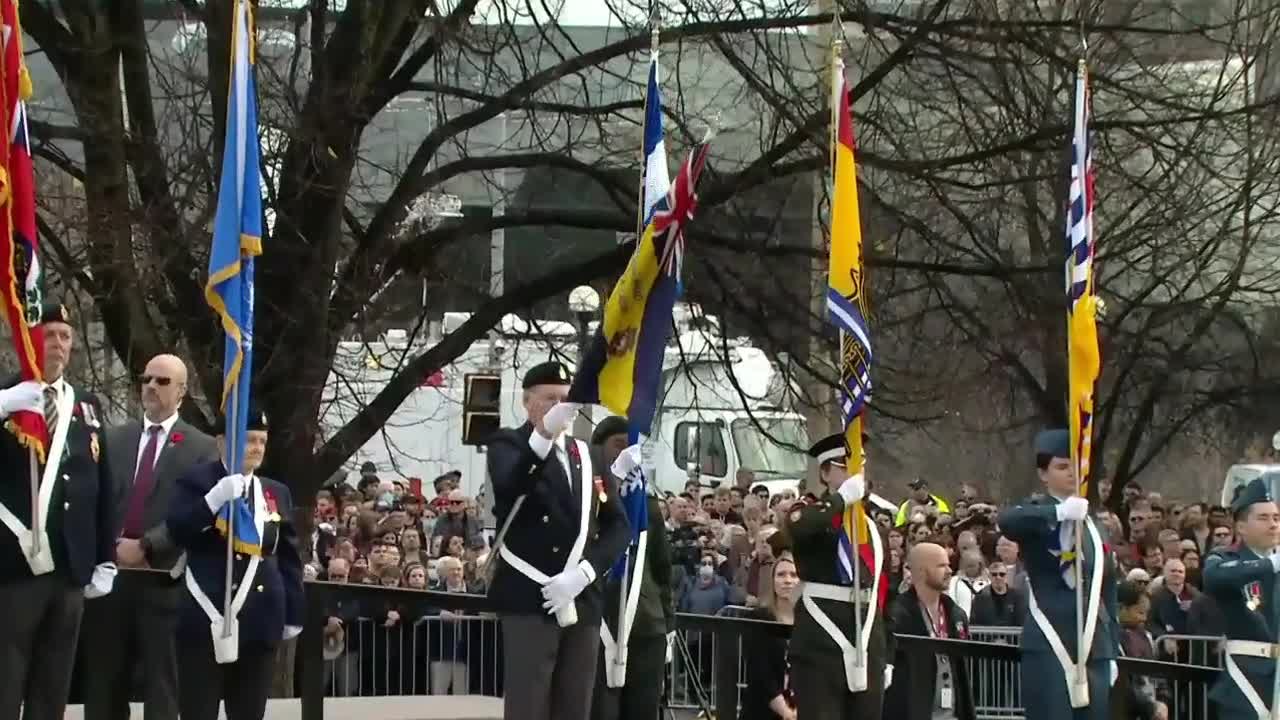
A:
{"x": 640, "y": 697}
{"x": 1243, "y": 583}
{"x": 824, "y": 630}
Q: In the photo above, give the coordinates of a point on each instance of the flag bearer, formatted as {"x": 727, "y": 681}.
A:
{"x": 561, "y": 527}
{"x": 1046, "y": 532}
{"x": 267, "y": 596}
{"x": 824, "y": 674}
{"x": 48, "y": 567}
{"x": 1242, "y": 580}
{"x": 638, "y": 694}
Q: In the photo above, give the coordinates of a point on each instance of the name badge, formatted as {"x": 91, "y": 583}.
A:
{"x": 947, "y": 701}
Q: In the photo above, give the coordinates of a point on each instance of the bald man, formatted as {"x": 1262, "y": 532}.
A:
{"x": 137, "y": 623}
{"x": 927, "y": 686}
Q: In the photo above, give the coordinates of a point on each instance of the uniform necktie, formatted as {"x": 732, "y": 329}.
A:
{"x": 51, "y": 408}
{"x": 144, "y": 481}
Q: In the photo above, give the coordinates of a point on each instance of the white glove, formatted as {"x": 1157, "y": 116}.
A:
{"x": 853, "y": 489}
{"x": 888, "y": 676}
{"x": 1073, "y": 508}
{"x": 561, "y": 590}
{"x": 291, "y": 632}
{"x": 671, "y": 647}
{"x": 559, "y": 417}
{"x": 25, "y": 396}
{"x": 104, "y": 577}
{"x": 228, "y": 488}
{"x": 627, "y": 461}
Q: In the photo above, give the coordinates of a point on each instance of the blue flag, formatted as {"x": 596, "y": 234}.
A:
{"x": 237, "y": 240}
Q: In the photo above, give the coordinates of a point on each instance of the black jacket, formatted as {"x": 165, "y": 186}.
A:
{"x": 656, "y": 609}
{"x": 81, "y": 516}
{"x": 1010, "y": 613}
{"x": 544, "y": 530}
{"x": 912, "y": 693}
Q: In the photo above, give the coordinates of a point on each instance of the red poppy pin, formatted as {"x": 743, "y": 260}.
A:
{"x": 573, "y": 449}
{"x": 175, "y": 438}
{"x": 598, "y": 483}
{"x": 271, "y": 500}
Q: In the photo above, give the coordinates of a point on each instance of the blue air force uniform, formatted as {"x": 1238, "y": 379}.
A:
{"x": 273, "y": 607}
{"x": 1046, "y": 551}
{"x": 1242, "y": 582}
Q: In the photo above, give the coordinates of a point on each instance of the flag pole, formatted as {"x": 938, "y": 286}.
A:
{"x": 633, "y": 435}
{"x": 837, "y": 86}
{"x": 233, "y": 442}
{"x": 1082, "y": 674}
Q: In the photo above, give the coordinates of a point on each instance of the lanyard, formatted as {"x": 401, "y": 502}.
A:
{"x": 937, "y": 622}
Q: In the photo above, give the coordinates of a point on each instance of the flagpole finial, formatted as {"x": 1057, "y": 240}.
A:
{"x": 655, "y": 26}
{"x": 714, "y": 125}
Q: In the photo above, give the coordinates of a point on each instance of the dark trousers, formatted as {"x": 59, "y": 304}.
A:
{"x": 241, "y": 685}
{"x": 131, "y": 628}
{"x": 549, "y": 672}
{"x": 39, "y": 626}
{"x": 640, "y": 698}
{"x": 822, "y": 692}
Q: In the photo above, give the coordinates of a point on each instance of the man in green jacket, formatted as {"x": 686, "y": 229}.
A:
{"x": 639, "y": 694}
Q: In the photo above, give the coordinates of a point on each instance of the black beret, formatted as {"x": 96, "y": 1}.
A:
{"x": 257, "y": 421}
{"x": 551, "y": 372}
{"x": 1054, "y": 443}
{"x": 607, "y": 428}
{"x": 830, "y": 449}
{"x": 1257, "y": 491}
{"x": 54, "y": 312}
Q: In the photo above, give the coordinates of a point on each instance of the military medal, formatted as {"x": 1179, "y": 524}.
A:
{"x": 598, "y": 484}
{"x": 1253, "y": 595}
{"x": 93, "y": 445}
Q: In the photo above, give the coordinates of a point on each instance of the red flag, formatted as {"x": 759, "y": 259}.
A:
{"x": 19, "y": 269}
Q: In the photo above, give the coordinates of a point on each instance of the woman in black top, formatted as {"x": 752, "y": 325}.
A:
{"x": 767, "y": 695}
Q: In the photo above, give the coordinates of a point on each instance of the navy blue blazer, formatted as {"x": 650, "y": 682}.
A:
{"x": 544, "y": 530}
{"x": 1033, "y": 524}
{"x": 276, "y": 599}
{"x": 81, "y": 515}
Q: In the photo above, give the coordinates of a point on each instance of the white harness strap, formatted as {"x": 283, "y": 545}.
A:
{"x": 569, "y": 615}
{"x": 855, "y": 659}
{"x": 1079, "y": 694}
{"x": 1250, "y": 648}
{"x": 226, "y": 649}
{"x": 41, "y": 561}
{"x": 612, "y": 647}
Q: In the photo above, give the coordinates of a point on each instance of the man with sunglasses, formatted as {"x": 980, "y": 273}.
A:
{"x": 136, "y": 624}
{"x": 56, "y": 551}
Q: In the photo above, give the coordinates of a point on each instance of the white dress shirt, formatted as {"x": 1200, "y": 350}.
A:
{"x": 166, "y": 426}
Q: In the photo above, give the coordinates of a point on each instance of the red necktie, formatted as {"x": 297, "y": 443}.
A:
{"x": 144, "y": 481}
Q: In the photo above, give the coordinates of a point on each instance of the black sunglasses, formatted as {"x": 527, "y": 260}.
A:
{"x": 161, "y": 381}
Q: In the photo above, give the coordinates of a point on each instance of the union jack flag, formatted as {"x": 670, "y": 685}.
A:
{"x": 673, "y": 212}
{"x": 1083, "y": 357}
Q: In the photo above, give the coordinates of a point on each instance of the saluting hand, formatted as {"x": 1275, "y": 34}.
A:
{"x": 228, "y": 488}
{"x": 558, "y": 419}
{"x": 26, "y": 396}
{"x": 627, "y": 461}
{"x": 1073, "y": 508}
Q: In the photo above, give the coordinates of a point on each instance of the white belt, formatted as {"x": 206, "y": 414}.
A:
{"x": 1077, "y": 690}
{"x": 839, "y": 593}
{"x": 615, "y": 652}
{"x": 1250, "y": 648}
{"x": 39, "y": 555}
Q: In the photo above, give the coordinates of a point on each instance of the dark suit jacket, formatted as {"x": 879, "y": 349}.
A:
{"x": 184, "y": 448}
{"x": 277, "y": 597}
{"x": 80, "y": 514}
{"x": 915, "y": 674}
{"x": 544, "y": 531}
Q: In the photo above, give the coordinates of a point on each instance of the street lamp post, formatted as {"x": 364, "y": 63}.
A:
{"x": 584, "y": 303}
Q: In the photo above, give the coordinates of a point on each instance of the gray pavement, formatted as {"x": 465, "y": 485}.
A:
{"x": 425, "y": 707}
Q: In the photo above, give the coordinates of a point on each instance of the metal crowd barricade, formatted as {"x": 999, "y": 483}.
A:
{"x": 997, "y": 683}
{"x": 1187, "y": 699}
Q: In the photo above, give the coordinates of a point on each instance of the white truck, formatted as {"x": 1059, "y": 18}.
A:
{"x": 722, "y": 407}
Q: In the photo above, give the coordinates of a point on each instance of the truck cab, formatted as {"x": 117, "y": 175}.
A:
{"x": 714, "y": 445}
{"x": 1240, "y": 475}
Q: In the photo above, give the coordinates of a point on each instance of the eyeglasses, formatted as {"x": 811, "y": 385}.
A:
{"x": 999, "y": 574}
{"x": 457, "y": 502}
{"x": 159, "y": 380}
